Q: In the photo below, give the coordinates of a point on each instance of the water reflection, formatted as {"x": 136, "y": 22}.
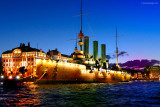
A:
{"x": 140, "y": 93}
{"x": 25, "y": 96}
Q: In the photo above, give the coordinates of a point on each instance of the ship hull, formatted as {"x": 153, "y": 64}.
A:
{"x": 63, "y": 72}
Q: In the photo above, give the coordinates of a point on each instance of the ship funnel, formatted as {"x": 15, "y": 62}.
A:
{"x": 103, "y": 53}
{"x": 86, "y": 46}
{"x": 95, "y": 50}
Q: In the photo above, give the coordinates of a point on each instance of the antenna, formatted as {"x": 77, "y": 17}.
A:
{"x": 81, "y": 16}
{"x": 116, "y": 37}
{"x": 76, "y": 42}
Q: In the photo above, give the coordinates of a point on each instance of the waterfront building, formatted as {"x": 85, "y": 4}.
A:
{"x": 154, "y": 71}
{"x": 56, "y": 55}
{"x": 22, "y": 56}
{"x": 139, "y": 75}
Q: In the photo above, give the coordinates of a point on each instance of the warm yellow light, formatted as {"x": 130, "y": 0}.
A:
{"x": 10, "y": 77}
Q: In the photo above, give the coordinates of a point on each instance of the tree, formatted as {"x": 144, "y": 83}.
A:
{"x": 22, "y": 70}
{"x": 1, "y": 69}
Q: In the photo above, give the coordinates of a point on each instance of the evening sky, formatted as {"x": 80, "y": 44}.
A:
{"x": 50, "y": 23}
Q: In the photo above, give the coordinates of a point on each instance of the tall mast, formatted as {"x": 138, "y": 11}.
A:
{"x": 81, "y": 16}
{"x": 116, "y": 50}
{"x": 116, "y": 37}
{"x": 81, "y": 35}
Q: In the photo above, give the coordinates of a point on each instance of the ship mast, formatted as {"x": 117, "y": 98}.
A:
{"x": 81, "y": 35}
{"x": 78, "y": 56}
{"x": 116, "y": 50}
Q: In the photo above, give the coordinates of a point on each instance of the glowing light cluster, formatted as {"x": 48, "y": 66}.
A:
{"x": 18, "y": 77}
{"x": 2, "y": 77}
{"x": 10, "y": 77}
{"x": 89, "y": 62}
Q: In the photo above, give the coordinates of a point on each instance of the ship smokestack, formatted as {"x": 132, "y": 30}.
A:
{"x": 103, "y": 53}
{"x": 86, "y": 47}
{"x": 95, "y": 50}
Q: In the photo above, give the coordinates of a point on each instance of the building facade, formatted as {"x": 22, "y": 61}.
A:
{"x": 154, "y": 72}
{"x": 22, "y": 56}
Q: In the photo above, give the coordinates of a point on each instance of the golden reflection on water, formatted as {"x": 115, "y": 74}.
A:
{"x": 33, "y": 95}
{"x": 26, "y": 96}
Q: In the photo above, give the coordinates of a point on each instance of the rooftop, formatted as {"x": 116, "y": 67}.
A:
{"x": 23, "y": 48}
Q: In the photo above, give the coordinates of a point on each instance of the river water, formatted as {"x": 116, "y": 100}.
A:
{"x": 135, "y": 93}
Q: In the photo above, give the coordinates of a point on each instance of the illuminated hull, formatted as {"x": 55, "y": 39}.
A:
{"x": 48, "y": 70}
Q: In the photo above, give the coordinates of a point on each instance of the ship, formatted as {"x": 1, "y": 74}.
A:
{"x": 81, "y": 67}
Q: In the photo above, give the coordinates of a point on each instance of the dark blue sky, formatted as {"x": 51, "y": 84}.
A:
{"x": 50, "y": 23}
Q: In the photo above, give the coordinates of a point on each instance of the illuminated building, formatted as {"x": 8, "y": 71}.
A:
{"x": 22, "y": 56}
{"x": 139, "y": 75}
{"x": 154, "y": 71}
{"x": 56, "y": 55}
